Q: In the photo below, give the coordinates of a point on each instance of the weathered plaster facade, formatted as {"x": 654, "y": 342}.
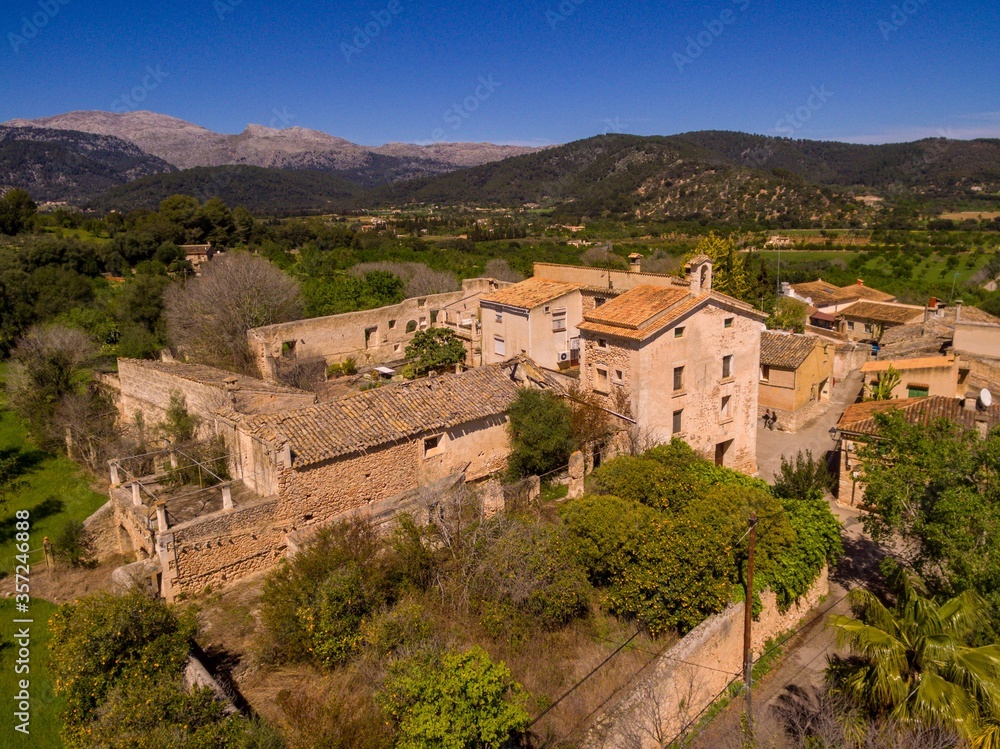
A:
{"x": 373, "y": 337}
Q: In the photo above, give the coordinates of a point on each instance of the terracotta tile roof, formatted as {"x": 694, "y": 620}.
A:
{"x": 867, "y": 292}
{"x": 860, "y": 417}
{"x": 621, "y": 321}
{"x": 211, "y": 376}
{"x": 387, "y": 414}
{"x": 530, "y": 293}
{"x": 785, "y": 350}
{"x": 884, "y": 313}
{"x": 820, "y": 292}
{"x": 923, "y": 362}
{"x": 976, "y": 315}
{"x": 637, "y": 306}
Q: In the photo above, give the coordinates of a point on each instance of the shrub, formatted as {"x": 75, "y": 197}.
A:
{"x": 460, "y": 700}
{"x": 74, "y": 544}
{"x": 314, "y": 606}
{"x": 805, "y": 478}
{"x": 104, "y": 640}
{"x": 540, "y": 432}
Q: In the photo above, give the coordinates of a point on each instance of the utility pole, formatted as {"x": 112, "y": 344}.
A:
{"x": 748, "y": 622}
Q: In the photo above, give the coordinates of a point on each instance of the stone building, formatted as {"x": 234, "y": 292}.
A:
{"x": 796, "y": 376}
{"x": 143, "y": 390}
{"x": 857, "y": 425}
{"x": 863, "y": 321}
{"x": 977, "y": 333}
{"x": 684, "y": 362}
{"x": 299, "y": 468}
{"x": 827, "y": 298}
{"x": 540, "y": 317}
{"x": 370, "y": 337}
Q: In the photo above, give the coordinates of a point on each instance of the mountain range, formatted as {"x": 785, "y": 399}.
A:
{"x": 182, "y": 145}
{"x": 134, "y": 160}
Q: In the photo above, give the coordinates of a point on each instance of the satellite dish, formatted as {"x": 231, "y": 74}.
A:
{"x": 986, "y": 398}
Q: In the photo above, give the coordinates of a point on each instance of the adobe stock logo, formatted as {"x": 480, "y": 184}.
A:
{"x": 31, "y": 27}
{"x": 456, "y": 114}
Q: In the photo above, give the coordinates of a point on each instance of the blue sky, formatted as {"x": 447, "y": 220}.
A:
{"x": 540, "y": 72}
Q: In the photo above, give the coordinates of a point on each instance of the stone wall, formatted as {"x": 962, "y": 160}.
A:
{"x": 673, "y": 692}
{"x": 370, "y": 337}
{"x": 147, "y": 391}
{"x": 224, "y": 547}
{"x": 848, "y": 358}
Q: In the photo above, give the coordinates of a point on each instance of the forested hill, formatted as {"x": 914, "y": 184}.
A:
{"x": 259, "y": 190}
{"x": 715, "y": 175}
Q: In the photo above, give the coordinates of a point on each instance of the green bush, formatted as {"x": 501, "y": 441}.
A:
{"x": 817, "y": 542}
{"x": 541, "y": 434}
{"x": 458, "y": 701}
{"x": 313, "y": 607}
{"x": 74, "y": 544}
{"x": 804, "y": 478}
{"x": 104, "y": 640}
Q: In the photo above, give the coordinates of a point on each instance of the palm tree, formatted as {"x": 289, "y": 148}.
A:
{"x": 912, "y": 662}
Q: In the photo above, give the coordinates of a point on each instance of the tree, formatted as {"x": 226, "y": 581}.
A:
{"x": 16, "y": 210}
{"x": 913, "y": 661}
{"x": 540, "y": 433}
{"x": 208, "y": 317}
{"x": 728, "y": 265}
{"x": 461, "y": 701}
{"x": 934, "y": 493}
{"x": 805, "y": 478}
{"x": 47, "y": 365}
{"x": 789, "y": 314}
{"x": 434, "y": 349}
{"x": 882, "y": 388}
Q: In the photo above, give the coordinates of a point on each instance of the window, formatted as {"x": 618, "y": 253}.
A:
{"x": 727, "y": 367}
{"x": 678, "y": 378}
{"x": 868, "y": 327}
{"x": 850, "y": 325}
{"x": 395, "y": 348}
{"x": 765, "y": 372}
{"x": 599, "y": 301}
{"x": 678, "y": 422}
{"x": 547, "y": 309}
{"x": 288, "y": 349}
{"x": 602, "y": 379}
{"x": 421, "y": 302}
{"x": 432, "y": 445}
{"x": 434, "y": 315}
{"x": 499, "y": 346}
{"x": 411, "y": 326}
{"x": 392, "y": 324}
{"x": 602, "y": 343}
{"x": 619, "y": 378}
{"x": 917, "y": 391}
{"x": 499, "y": 317}
{"x": 679, "y": 332}
{"x": 558, "y": 323}
{"x": 369, "y": 334}
{"x": 728, "y": 322}
{"x": 726, "y": 410}
{"x": 423, "y": 323}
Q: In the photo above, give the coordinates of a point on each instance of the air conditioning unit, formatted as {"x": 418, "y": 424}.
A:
{"x": 564, "y": 356}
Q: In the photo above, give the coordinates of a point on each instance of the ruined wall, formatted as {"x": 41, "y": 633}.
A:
{"x": 225, "y": 546}
{"x": 620, "y": 280}
{"x": 673, "y": 692}
{"x": 147, "y": 391}
{"x": 371, "y": 337}
{"x": 848, "y": 358}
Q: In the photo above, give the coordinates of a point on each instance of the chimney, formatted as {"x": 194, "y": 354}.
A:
{"x": 860, "y": 282}
{"x": 932, "y": 303}
{"x": 635, "y": 262}
{"x": 958, "y": 310}
{"x": 232, "y": 384}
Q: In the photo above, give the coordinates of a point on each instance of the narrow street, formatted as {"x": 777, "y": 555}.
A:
{"x": 803, "y": 660}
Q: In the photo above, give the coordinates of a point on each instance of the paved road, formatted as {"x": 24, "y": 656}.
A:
{"x": 815, "y": 435}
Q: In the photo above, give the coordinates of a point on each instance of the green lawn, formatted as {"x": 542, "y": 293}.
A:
{"x": 56, "y": 491}
{"x": 45, "y": 724}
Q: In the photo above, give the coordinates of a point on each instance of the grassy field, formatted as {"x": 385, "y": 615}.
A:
{"x": 56, "y": 491}
{"x": 45, "y": 724}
